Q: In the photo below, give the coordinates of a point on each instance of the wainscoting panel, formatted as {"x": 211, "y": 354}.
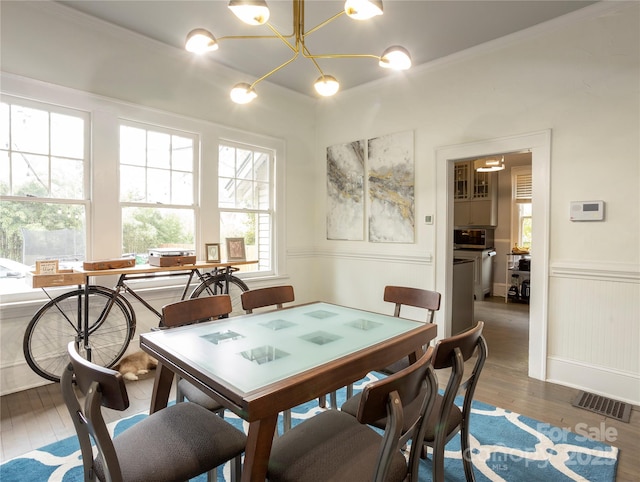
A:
{"x": 594, "y": 328}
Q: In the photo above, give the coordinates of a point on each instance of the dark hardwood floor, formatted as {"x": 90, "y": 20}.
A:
{"x": 36, "y": 417}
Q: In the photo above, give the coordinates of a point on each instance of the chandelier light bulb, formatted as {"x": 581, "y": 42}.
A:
{"x": 200, "y": 41}
{"x": 243, "y": 93}
{"x": 251, "y": 12}
{"x": 396, "y": 58}
{"x": 326, "y": 85}
{"x": 362, "y": 9}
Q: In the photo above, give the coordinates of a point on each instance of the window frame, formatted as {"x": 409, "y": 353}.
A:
{"x": 85, "y": 200}
{"x": 270, "y": 211}
{"x": 516, "y": 201}
{"x": 195, "y": 186}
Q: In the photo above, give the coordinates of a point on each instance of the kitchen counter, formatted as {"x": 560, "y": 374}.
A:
{"x": 462, "y": 297}
{"x": 483, "y": 269}
{"x": 461, "y": 260}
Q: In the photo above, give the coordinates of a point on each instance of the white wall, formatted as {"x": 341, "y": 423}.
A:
{"x": 578, "y": 78}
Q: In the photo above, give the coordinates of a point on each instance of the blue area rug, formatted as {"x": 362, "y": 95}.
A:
{"x": 506, "y": 446}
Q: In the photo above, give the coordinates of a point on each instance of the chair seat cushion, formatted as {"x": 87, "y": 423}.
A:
{"x": 175, "y": 443}
{"x": 195, "y": 395}
{"x": 411, "y": 412}
{"x": 331, "y": 446}
{"x": 396, "y": 366}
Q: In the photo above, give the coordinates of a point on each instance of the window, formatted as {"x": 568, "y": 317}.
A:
{"x": 246, "y": 199}
{"x": 156, "y": 189}
{"x": 521, "y": 180}
{"x": 524, "y": 225}
{"x": 43, "y": 185}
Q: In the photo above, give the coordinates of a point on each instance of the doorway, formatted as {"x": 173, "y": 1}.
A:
{"x": 539, "y": 144}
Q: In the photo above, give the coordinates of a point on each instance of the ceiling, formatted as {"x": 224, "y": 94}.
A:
{"x": 428, "y": 29}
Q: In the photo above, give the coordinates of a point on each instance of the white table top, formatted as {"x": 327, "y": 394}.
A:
{"x": 252, "y": 351}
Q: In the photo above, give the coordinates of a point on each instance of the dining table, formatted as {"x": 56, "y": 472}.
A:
{"x": 261, "y": 364}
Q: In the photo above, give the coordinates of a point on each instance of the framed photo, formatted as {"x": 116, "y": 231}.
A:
{"x": 213, "y": 252}
{"x": 235, "y": 249}
{"x": 49, "y": 266}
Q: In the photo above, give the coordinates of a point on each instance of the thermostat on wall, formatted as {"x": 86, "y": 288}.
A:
{"x": 587, "y": 211}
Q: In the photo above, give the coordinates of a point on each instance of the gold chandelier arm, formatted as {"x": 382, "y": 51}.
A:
{"x": 235, "y": 37}
{"x": 307, "y": 55}
{"x": 319, "y": 26}
{"x": 274, "y": 70}
{"x": 282, "y": 37}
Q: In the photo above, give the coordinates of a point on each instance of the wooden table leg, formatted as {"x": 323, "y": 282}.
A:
{"x": 161, "y": 388}
{"x": 256, "y": 455}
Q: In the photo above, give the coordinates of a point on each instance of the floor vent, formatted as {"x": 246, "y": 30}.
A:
{"x": 603, "y": 405}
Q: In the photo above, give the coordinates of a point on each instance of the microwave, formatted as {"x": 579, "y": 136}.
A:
{"x": 473, "y": 239}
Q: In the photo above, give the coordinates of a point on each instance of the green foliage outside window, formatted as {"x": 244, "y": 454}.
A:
{"x": 146, "y": 228}
{"x": 16, "y": 217}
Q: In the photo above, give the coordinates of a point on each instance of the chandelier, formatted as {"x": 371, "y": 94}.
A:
{"x": 256, "y": 12}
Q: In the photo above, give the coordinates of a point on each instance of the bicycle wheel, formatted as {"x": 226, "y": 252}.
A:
{"x": 112, "y": 325}
{"x": 217, "y": 285}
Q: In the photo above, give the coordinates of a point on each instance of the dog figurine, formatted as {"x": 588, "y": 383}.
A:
{"x": 135, "y": 364}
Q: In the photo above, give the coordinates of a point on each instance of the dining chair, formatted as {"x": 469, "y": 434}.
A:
{"x": 270, "y": 296}
{"x": 187, "y": 312}
{"x": 447, "y": 419}
{"x": 177, "y": 443}
{"x": 261, "y": 298}
{"x": 415, "y": 297}
{"x": 334, "y": 446}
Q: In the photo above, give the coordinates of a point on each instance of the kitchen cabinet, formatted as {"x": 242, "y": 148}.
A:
{"x": 475, "y": 196}
{"x": 482, "y": 269}
{"x": 518, "y": 278}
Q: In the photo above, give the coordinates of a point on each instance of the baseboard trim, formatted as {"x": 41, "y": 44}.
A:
{"x": 621, "y": 386}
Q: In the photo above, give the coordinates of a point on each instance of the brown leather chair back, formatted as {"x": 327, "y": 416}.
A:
{"x": 271, "y": 296}
{"x": 419, "y": 298}
{"x": 195, "y": 310}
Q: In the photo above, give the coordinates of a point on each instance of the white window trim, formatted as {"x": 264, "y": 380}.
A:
{"x": 515, "y": 214}
{"x": 271, "y": 211}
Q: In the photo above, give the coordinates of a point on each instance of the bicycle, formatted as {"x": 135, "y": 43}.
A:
{"x": 102, "y": 321}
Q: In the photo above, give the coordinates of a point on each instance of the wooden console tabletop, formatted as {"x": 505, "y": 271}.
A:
{"x": 78, "y": 276}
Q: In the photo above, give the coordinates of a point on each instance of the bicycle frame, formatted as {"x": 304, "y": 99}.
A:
{"x": 121, "y": 286}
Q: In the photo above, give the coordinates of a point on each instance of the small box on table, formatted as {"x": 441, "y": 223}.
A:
{"x": 109, "y": 264}
{"x": 171, "y": 257}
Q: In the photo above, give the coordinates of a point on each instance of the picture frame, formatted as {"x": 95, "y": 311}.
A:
{"x": 212, "y": 252}
{"x": 235, "y": 249}
{"x": 49, "y": 266}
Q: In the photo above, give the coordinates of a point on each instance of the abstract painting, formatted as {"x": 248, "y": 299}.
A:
{"x": 391, "y": 179}
{"x": 345, "y": 191}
